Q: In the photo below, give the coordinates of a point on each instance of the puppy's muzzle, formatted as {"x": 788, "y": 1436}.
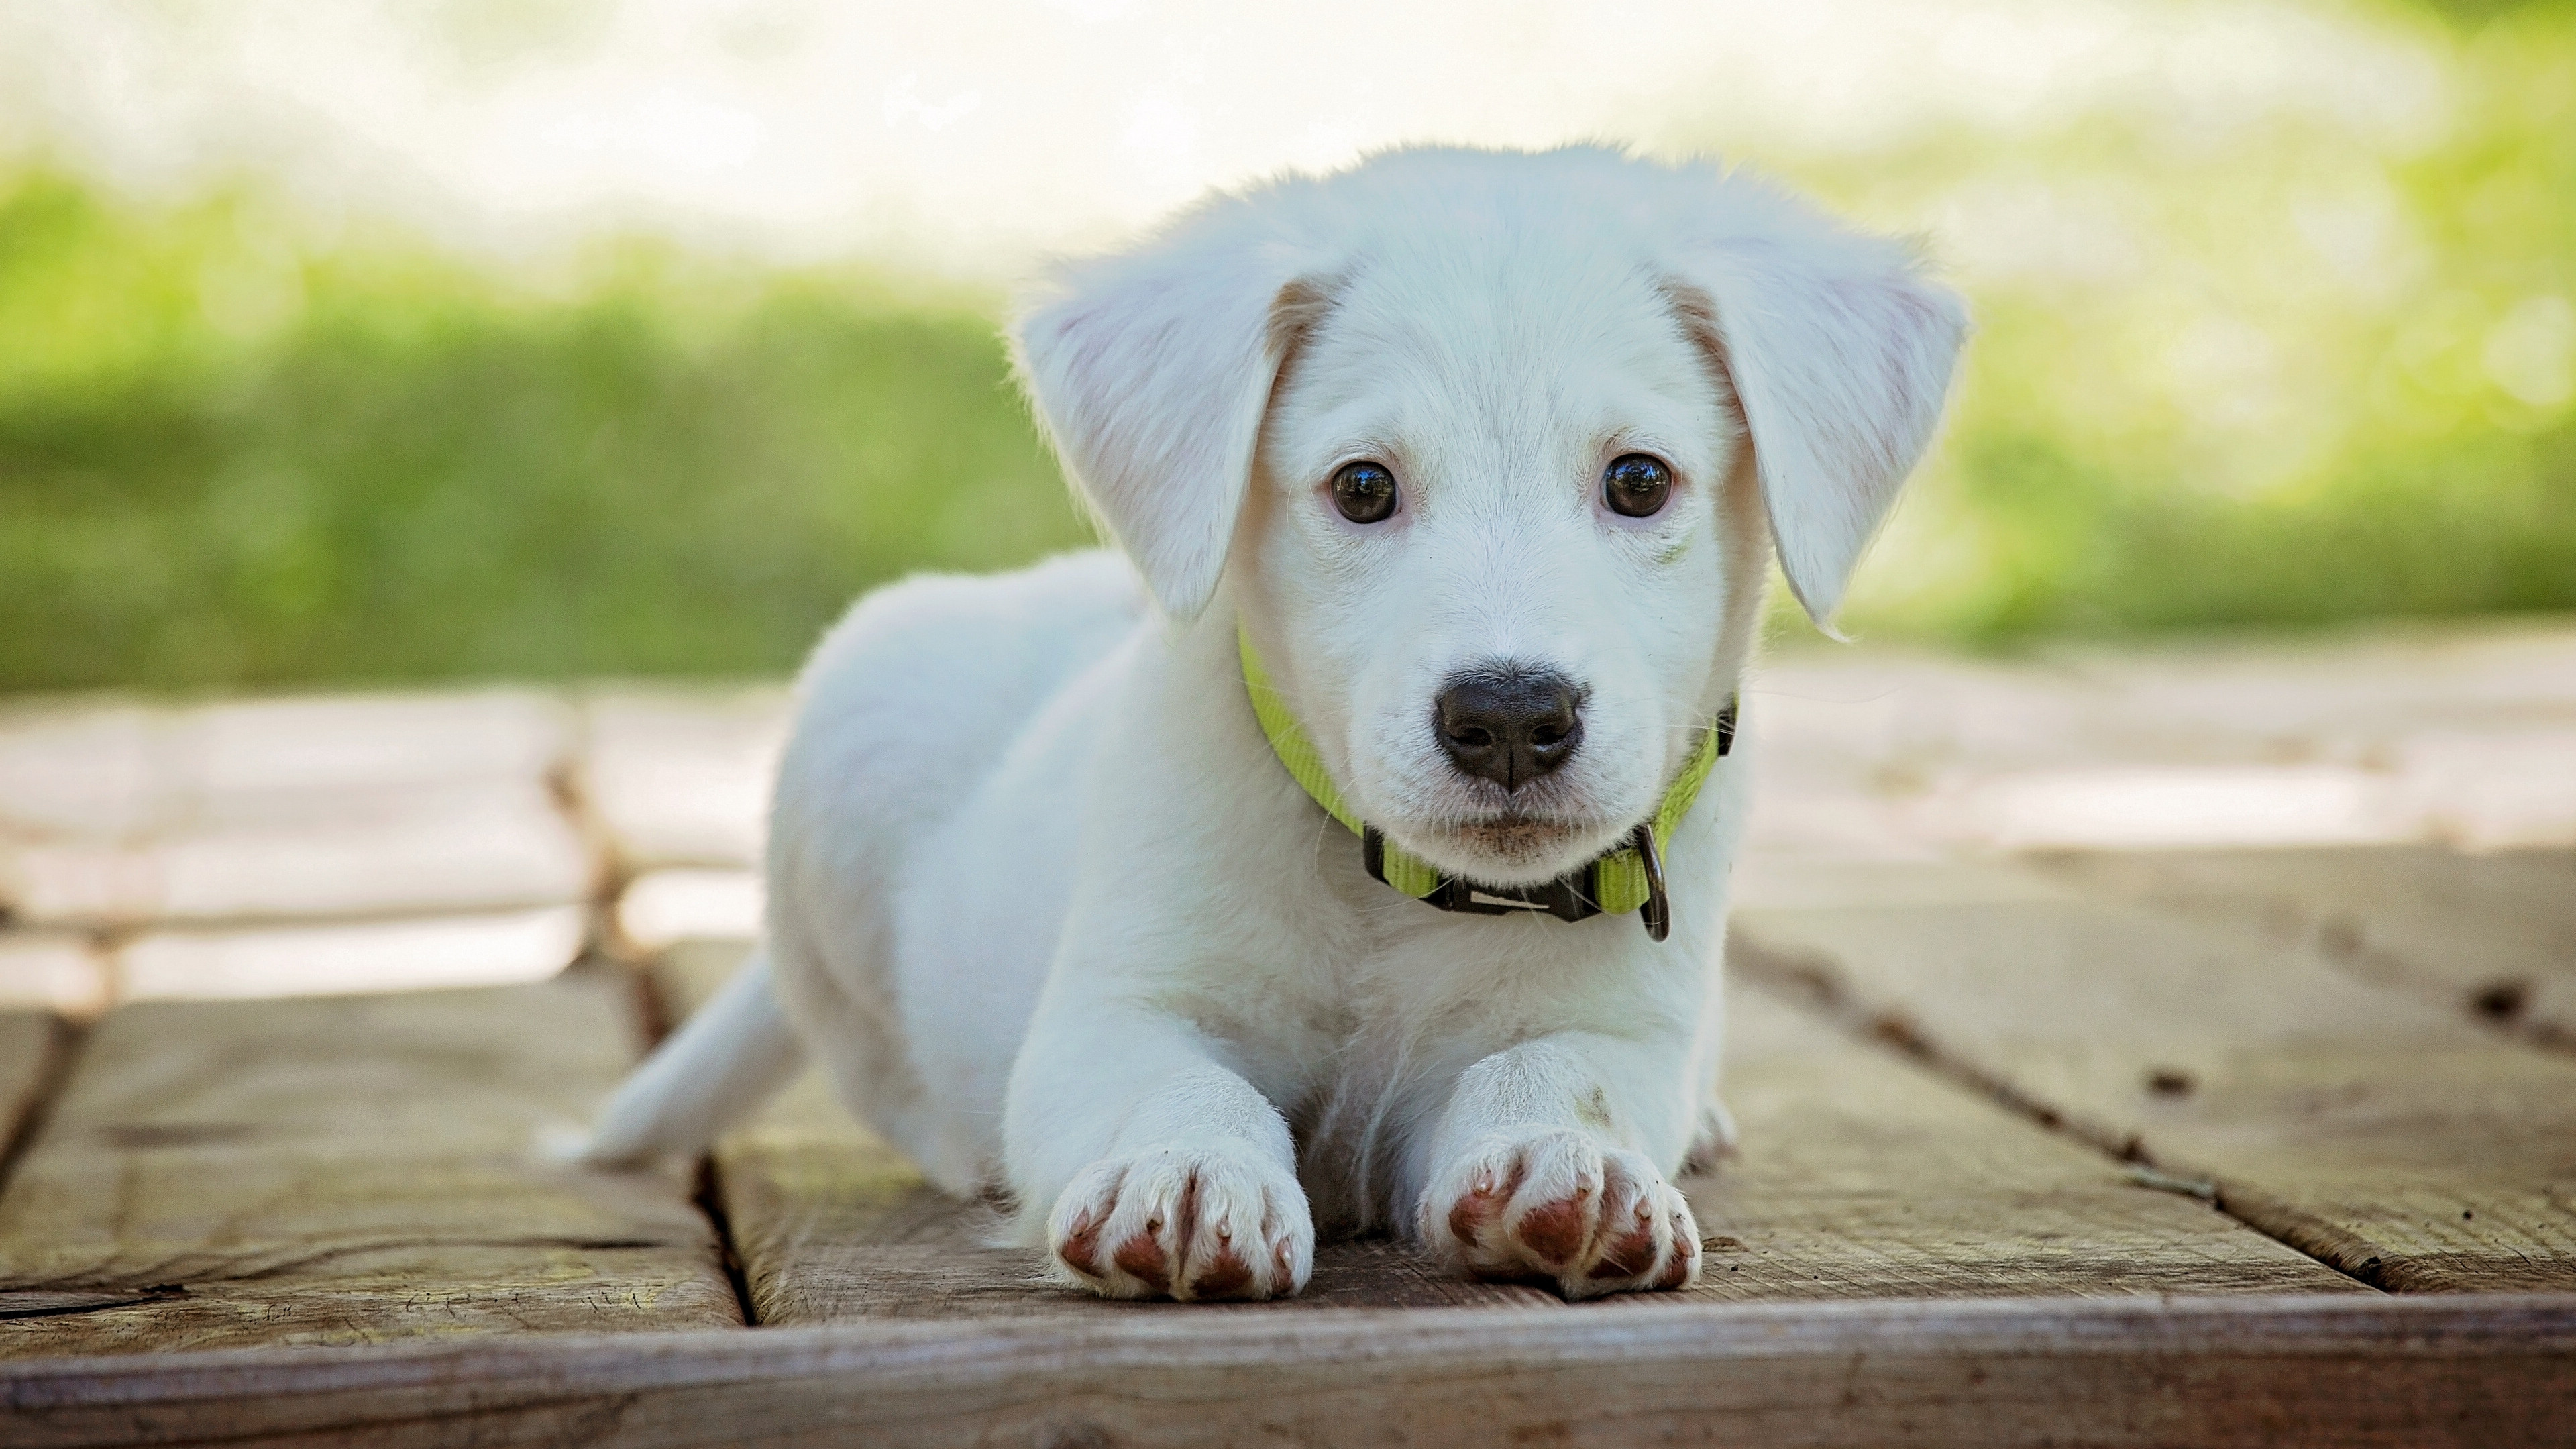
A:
{"x": 1508, "y": 723}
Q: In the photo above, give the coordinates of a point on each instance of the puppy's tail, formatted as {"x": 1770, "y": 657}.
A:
{"x": 730, "y": 1057}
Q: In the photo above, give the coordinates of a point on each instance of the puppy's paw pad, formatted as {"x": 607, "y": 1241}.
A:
{"x": 1628, "y": 1250}
{"x": 1556, "y": 1207}
{"x": 1185, "y": 1224}
{"x": 1555, "y": 1234}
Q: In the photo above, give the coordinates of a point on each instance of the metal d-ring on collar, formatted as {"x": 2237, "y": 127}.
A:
{"x": 1628, "y": 877}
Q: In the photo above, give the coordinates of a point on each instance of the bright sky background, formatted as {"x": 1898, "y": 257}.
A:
{"x": 962, "y": 136}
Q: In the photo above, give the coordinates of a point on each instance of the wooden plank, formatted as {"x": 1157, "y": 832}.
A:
{"x": 2455, "y": 734}
{"x": 663, "y": 908}
{"x": 1861, "y": 1178}
{"x": 337, "y": 957}
{"x": 2218, "y": 1373}
{"x": 263, "y": 810}
{"x": 473, "y": 845}
{"x": 832, "y": 1225}
{"x": 2386, "y": 1136}
{"x": 345, "y": 1169}
{"x": 57, "y": 970}
{"x": 81, "y": 767}
{"x": 28, "y": 1041}
{"x": 2493, "y": 935}
{"x": 680, "y": 778}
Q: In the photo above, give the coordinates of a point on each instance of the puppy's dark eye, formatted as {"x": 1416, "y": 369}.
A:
{"x": 1636, "y": 485}
{"x": 1364, "y": 491}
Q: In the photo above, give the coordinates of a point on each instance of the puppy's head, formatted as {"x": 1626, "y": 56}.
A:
{"x": 1481, "y": 449}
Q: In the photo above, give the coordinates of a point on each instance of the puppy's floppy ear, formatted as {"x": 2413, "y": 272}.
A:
{"x": 1152, "y": 371}
{"x": 1840, "y": 355}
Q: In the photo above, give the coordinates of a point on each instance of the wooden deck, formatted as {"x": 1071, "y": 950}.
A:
{"x": 2171, "y": 1050}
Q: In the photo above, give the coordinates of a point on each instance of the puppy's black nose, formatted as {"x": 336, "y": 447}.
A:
{"x": 1509, "y": 725}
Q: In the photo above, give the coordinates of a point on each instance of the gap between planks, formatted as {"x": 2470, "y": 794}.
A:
{"x": 2356, "y": 1124}
{"x": 654, "y": 1020}
{"x": 26, "y": 1099}
{"x": 1810, "y": 985}
{"x": 345, "y": 1169}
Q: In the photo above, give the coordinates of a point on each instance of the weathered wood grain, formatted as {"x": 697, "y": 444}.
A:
{"x": 2381, "y": 1133}
{"x": 1862, "y": 1177}
{"x": 2492, "y": 935}
{"x": 2211, "y": 1373}
{"x": 344, "y": 1169}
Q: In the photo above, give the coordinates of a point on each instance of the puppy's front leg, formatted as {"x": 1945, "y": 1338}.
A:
{"x": 1169, "y": 1175}
{"x": 1544, "y": 1166}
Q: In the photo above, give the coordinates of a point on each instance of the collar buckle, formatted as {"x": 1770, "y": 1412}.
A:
{"x": 1574, "y": 896}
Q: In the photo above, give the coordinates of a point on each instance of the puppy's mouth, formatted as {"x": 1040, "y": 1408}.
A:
{"x": 1521, "y": 846}
{"x": 1512, "y": 834}
{"x": 1481, "y": 831}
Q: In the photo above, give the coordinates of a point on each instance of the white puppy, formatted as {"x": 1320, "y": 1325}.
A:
{"x": 1470, "y": 455}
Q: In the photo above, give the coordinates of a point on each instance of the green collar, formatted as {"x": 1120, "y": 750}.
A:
{"x": 1615, "y": 883}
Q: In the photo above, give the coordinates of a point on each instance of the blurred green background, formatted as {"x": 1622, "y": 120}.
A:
{"x": 2282, "y": 375}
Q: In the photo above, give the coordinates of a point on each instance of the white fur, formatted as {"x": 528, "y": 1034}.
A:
{"x": 1055, "y": 918}
{"x": 684, "y": 1095}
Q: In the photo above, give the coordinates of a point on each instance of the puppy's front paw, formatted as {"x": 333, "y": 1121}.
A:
{"x": 1555, "y": 1205}
{"x": 1189, "y": 1223}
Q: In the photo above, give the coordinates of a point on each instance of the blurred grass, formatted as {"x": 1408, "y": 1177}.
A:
{"x": 2277, "y": 374}
{"x": 2282, "y": 370}
{"x": 223, "y": 463}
